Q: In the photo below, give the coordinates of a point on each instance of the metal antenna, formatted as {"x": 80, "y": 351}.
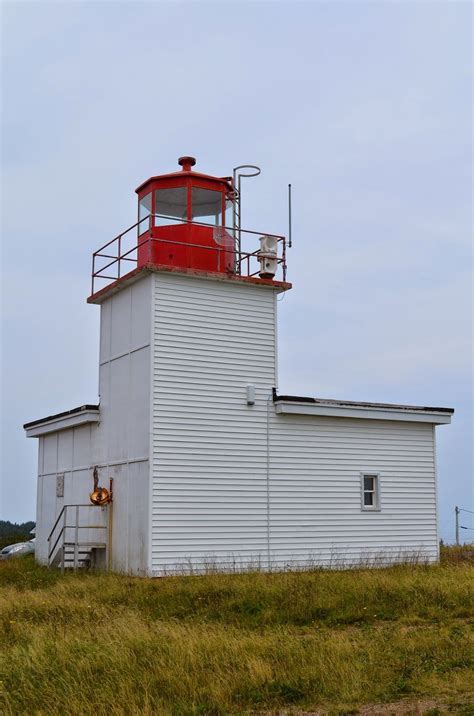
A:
{"x": 237, "y": 206}
{"x": 290, "y": 244}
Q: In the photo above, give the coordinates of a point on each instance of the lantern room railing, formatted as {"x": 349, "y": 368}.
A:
{"x": 119, "y": 256}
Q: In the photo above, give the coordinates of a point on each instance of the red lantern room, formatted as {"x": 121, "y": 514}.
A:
{"x": 190, "y": 222}
{"x": 182, "y": 218}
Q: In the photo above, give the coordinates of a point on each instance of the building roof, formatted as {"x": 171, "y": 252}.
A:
{"x": 355, "y": 409}
{"x": 66, "y": 413}
{"x": 332, "y": 401}
{"x": 61, "y": 421}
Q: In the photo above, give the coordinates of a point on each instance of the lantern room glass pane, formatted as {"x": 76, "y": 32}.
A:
{"x": 207, "y": 206}
{"x": 144, "y": 210}
{"x": 170, "y": 203}
{"x": 229, "y": 214}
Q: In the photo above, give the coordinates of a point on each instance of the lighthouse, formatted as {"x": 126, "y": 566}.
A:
{"x": 192, "y": 458}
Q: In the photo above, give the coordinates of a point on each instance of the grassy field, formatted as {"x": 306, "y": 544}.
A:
{"x": 326, "y": 642}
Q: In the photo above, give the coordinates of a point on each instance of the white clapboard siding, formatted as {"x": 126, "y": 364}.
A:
{"x": 315, "y": 492}
{"x": 209, "y": 492}
{"x": 238, "y": 485}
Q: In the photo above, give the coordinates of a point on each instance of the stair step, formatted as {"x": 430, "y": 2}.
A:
{"x": 82, "y": 555}
{"x": 89, "y": 545}
{"x": 66, "y": 559}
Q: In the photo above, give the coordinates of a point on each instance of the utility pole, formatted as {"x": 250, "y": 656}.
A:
{"x": 456, "y": 512}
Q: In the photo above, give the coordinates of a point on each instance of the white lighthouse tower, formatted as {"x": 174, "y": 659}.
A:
{"x": 198, "y": 461}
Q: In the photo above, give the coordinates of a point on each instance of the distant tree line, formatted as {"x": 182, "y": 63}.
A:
{"x": 11, "y": 532}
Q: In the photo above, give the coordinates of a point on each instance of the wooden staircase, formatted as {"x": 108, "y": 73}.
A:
{"x": 73, "y": 544}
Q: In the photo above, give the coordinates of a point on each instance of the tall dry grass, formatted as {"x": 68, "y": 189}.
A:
{"x": 221, "y": 644}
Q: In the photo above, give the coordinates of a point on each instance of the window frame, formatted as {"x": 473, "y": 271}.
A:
{"x": 198, "y": 220}
{"x": 140, "y": 231}
{"x": 376, "y": 507}
{"x": 178, "y": 219}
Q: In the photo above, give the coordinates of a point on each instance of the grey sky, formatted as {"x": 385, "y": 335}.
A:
{"x": 365, "y": 107}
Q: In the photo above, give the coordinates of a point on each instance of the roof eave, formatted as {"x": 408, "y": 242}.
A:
{"x": 293, "y": 405}
{"x": 185, "y": 175}
{"x": 62, "y": 421}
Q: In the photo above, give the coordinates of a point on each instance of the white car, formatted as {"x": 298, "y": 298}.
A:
{"x": 18, "y": 550}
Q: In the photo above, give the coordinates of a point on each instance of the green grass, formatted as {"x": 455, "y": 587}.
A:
{"x": 90, "y": 643}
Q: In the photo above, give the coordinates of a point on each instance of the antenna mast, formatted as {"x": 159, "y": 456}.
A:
{"x": 289, "y": 217}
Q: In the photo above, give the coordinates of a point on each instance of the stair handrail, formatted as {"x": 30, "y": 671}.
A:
{"x": 51, "y": 550}
{"x": 56, "y": 523}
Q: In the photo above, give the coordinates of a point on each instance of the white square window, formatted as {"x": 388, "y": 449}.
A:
{"x": 370, "y": 491}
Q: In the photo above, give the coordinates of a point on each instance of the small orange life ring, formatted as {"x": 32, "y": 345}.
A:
{"x": 100, "y": 495}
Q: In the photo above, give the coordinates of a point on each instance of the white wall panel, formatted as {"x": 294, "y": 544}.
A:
{"x": 120, "y": 332}
{"x": 315, "y": 494}
{"x": 105, "y": 326}
{"x": 82, "y": 445}
{"x": 124, "y": 377}
{"x": 65, "y": 450}
{"x": 50, "y": 452}
{"x": 117, "y": 426}
{"x": 124, "y": 434}
{"x": 130, "y": 517}
{"x": 140, "y": 316}
{"x": 138, "y": 523}
{"x": 139, "y": 404}
{"x": 209, "y": 496}
{"x": 45, "y": 514}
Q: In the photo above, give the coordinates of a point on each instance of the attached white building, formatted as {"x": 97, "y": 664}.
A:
{"x": 211, "y": 466}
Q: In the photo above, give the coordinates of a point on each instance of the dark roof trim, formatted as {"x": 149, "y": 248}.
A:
{"x": 349, "y": 403}
{"x": 74, "y": 411}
